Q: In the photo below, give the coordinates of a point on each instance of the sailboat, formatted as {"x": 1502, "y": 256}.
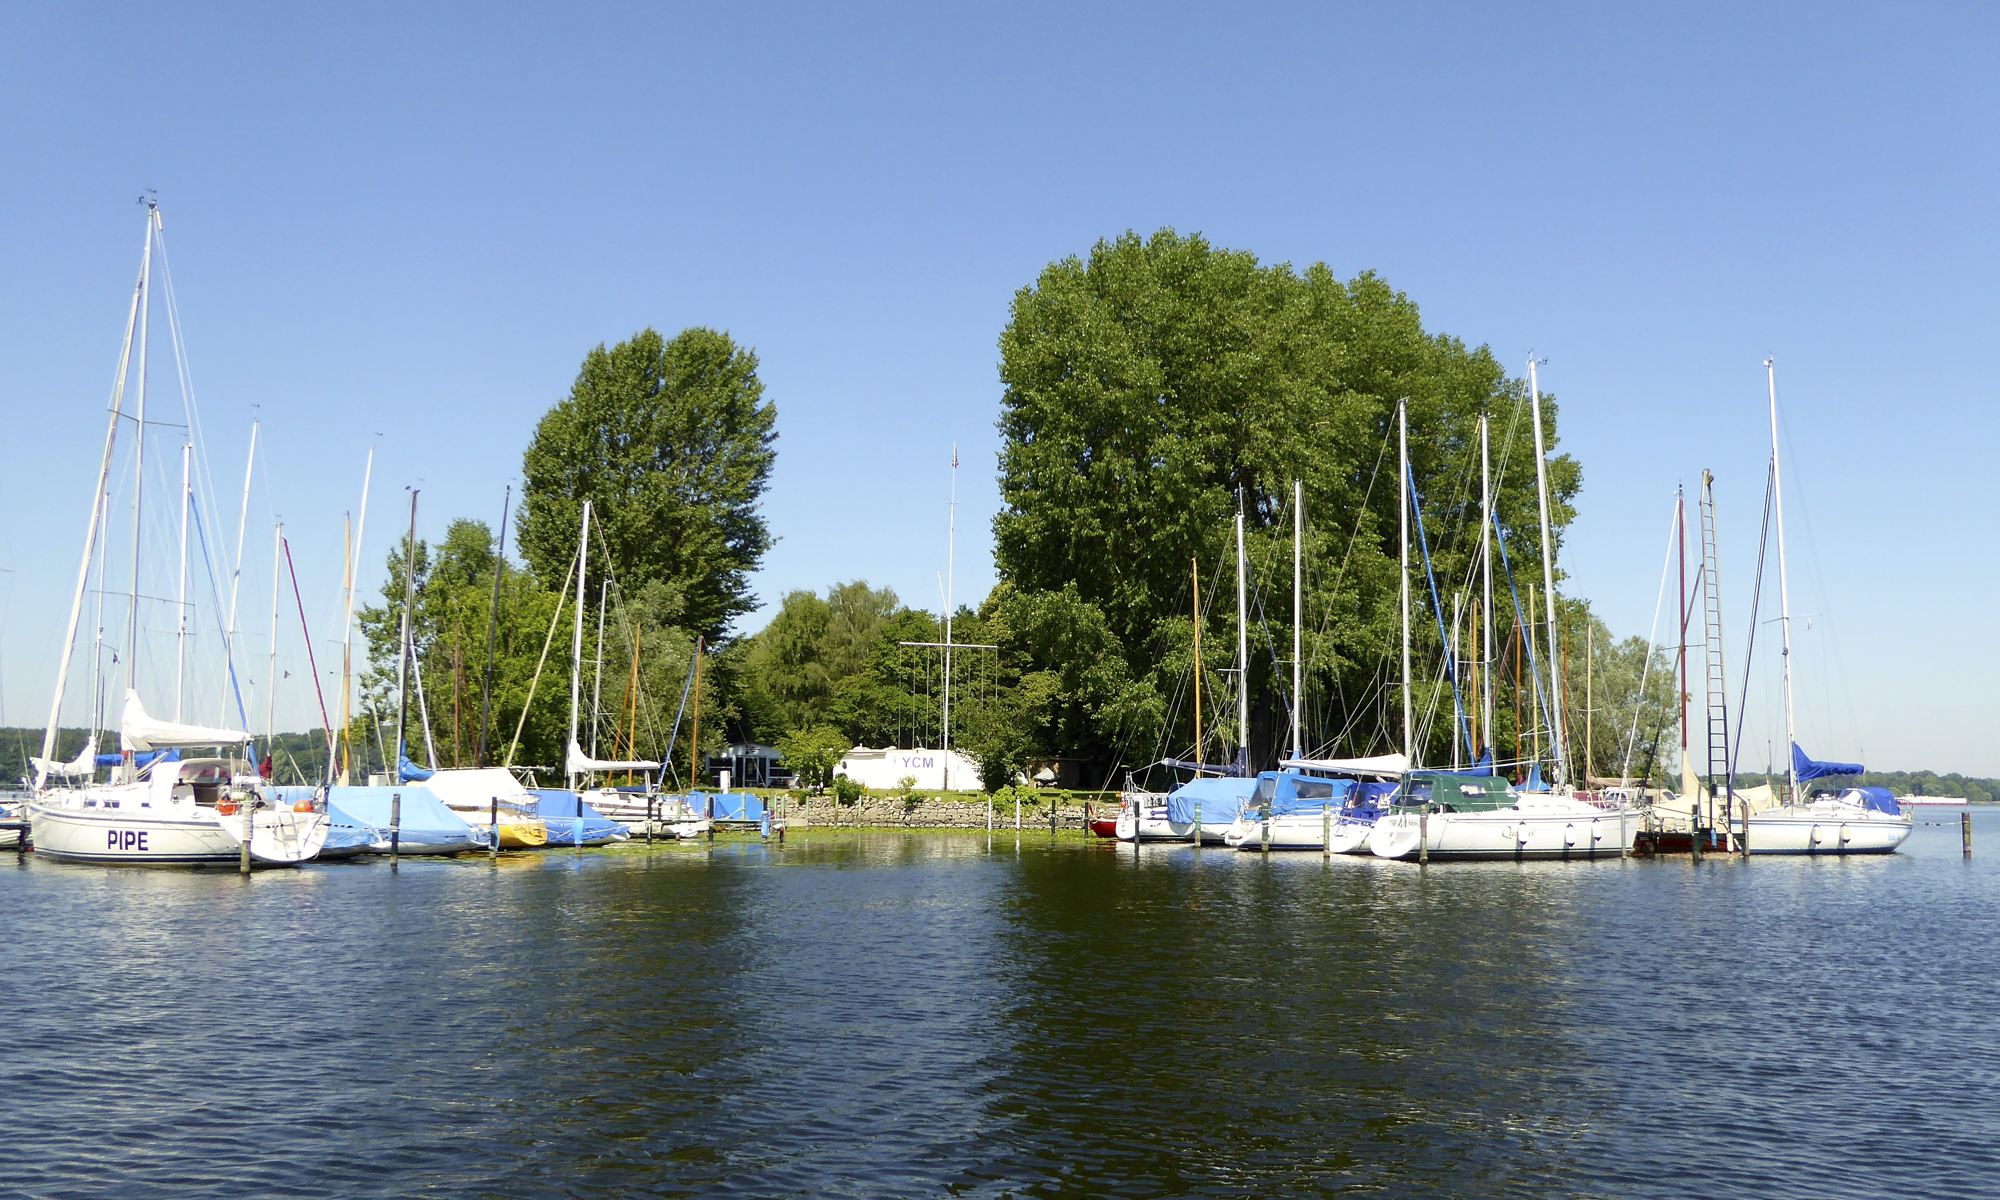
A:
{"x": 1204, "y": 808}
{"x": 1856, "y": 820}
{"x": 158, "y": 807}
{"x": 1471, "y": 815}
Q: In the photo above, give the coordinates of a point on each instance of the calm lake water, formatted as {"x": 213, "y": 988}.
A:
{"x": 933, "y": 1014}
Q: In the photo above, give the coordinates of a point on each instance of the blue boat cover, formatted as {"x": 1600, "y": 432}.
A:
{"x": 1880, "y": 799}
{"x": 1484, "y": 766}
{"x": 1808, "y": 769}
{"x": 412, "y": 773}
{"x": 344, "y": 834}
{"x": 571, "y": 821}
{"x": 727, "y": 806}
{"x": 1220, "y": 801}
{"x": 424, "y": 817}
{"x": 1534, "y": 781}
{"x": 145, "y": 758}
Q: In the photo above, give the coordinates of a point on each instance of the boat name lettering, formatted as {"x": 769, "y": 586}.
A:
{"x": 125, "y": 839}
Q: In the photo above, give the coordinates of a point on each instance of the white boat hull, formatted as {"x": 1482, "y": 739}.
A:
{"x": 175, "y": 837}
{"x": 1153, "y": 826}
{"x": 1816, "y": 829}
{"x": 1533, "y": 830}
{"x": 1299, "y": 831}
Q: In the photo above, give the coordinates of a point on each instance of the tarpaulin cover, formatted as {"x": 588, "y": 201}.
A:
{"x": 1882, "y": 800}
{"x": 1808, "y": 769}
{"x": 572, "y": 821}
{"x": 1220, "y": 801}
{"x": 728, "y": 806}
{"x": 424, "y": 819}
{"x": 140, "y": 760}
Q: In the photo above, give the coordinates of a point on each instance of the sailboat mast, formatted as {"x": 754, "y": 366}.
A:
{"x": 236, "y": 576}
{"x": 180, "y": 596}
{"x": 1486, "y": 571}
{"x": 403, "y": 642}
{"x": 139, "y": 453}
{"x": 1242, "y": 646}
{"x": 347, "y": 629}
{"x": 597, "y": 674}
{"x": 1403, "y": 565}
{"x": 271, "y": 672}
{"x": 1681, "y": 513}
{"x": 576, "y": 647}
{"x": 950, "y": 560}
{"x": 1194, "y": 569}
{"x": 1784, "y": 590}
{"x": 1298, "y": 606}
{"x": 1548, "y": 576}
{"x": 492, "y": 624}
{"x": 98, "y": 500}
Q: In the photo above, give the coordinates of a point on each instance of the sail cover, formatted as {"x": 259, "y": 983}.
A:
{"x": 477, "y": 788}
{"x": 82, "y": 764}
{"x": 579, "y": 763}
{"x": 1808, "y": 769}
{"x": 138, "y": 731}
{"x": 1387, "y": 766}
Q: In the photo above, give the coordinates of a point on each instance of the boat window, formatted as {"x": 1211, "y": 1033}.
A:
{"x": 1315, "y": 789}
{"x": 1266, "y": 790}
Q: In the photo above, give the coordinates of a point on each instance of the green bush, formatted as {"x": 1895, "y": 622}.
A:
{"x": 846, "y": 791}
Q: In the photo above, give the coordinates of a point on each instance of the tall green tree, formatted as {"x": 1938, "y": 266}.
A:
{"x": 672, "y": 442}
{"x": 1156, "y": 386}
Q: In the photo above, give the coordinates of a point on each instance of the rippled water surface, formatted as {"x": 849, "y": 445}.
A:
{"x": 936, "y": 1014}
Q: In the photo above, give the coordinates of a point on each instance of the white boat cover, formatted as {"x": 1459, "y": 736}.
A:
{"x": 82, "y": 764}
{"x": 579, "y": 763}
{"x": 477, "y": 788}
{"x": 137, "y": 731}
{"x": 1388, "y": 766}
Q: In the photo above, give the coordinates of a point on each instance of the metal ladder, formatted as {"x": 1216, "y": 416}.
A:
{"x": 1719, "y": 775}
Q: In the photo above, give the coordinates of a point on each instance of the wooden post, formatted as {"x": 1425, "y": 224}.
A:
{"x": 493, "y": 825}
{"x": 1965, "y": 832}
{"x": 1326, "y": 832}
{"x": 249, "y": 831}
{"x": 395, "y": 827}
{"x": 1265, "y": 812}
{"x": 1017, "y": 810}
{"x": 1056, "y": 799}
{"x": 1424, "y": 834}
{"x": 652, "y": 815}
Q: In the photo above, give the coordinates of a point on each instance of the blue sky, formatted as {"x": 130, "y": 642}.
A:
{"x": 411, "y": 222}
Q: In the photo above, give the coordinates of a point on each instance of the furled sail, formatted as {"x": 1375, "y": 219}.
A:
{"x": 1387, "y": 766}
{"x": 82, "y": 764}
{"x": 579, "y": 763}
{"x": 138, "y": 731}
{"x": 1808, "y": 769}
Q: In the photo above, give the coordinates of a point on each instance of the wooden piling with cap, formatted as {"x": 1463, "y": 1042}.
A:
{"x": 1965, "y": 832}
{"x": 395, "y": 827}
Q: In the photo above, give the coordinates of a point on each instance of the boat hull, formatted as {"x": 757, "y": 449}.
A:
{"x": 1296, "y": 831}
{"x": 192, "y": 838}
{"x": 1803, "y": 831}
{"x": 1507, "y": 833}
{"x": 1154, "y": 826}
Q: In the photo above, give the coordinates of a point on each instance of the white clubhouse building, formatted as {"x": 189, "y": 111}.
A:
{"x": 886, "y": 769}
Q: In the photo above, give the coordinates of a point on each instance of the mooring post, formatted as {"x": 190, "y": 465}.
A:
{"x": 711, "y": 815}
{"x": 1694, "y": 835}
{"x": 1424, "y": 834}
{"x": 1053, "y": 801}
{"x": 395, "y": 827}
{"x": 1326, "y": 831}
{"x": 652, "y": 808}
{"x": 249, "y": 831}
{"x": 1264, "y": 812}
{"x": 493, "y": 827}
{"x": 1965, "y": 832}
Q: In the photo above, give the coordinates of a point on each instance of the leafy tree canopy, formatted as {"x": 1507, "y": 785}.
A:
{"x": 672, "y": 443}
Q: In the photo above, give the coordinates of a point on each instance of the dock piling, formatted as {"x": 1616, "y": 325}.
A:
{"x": 493, "y": 827}
{"x": 1326, "y": 831}
{"x": 1965, "y": 832}
{"x": 1424, "y": 835}
{"x": 249, "y": 831}
{"x": 395, "y": 827}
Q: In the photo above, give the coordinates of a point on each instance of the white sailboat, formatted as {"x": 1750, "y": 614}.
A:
{"x": 157, "y": 808}
{"x": 1852, "y": 821}
{"x": 1447, "y": 815}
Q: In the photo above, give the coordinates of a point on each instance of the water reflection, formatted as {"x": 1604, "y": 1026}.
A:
{"x": 891, "y": 1015}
